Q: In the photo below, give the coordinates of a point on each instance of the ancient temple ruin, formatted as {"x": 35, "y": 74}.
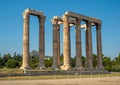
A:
{"x": 41, "y": 19}
{"x": 67, "y": 20}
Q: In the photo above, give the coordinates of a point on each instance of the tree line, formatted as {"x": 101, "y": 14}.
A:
{"x": 15, "y": 61}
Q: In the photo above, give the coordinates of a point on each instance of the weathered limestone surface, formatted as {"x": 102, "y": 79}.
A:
{"x": 89, "y": 47}
{"x": 99, "y": 47}
{"x": 55, "y": 44}
{"x": 78, "y": 46}
{"x": 58, "y": 41}
{"x": 74, "y": 19}
{"x": 41, "y": 18}
{"x": 84, "y": 18}
{"x": 68, "y": 19}
{"x": 33, "y": 12}
{"x": 41, "y": 42}
{"x": 66, "y": 42}
{"x": 25, "y": 62}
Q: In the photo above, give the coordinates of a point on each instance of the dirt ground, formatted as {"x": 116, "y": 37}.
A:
{"x": 79, "y": 81}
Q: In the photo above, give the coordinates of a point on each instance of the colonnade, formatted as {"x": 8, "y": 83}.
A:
{"x": 26, "y": 44}
{"x": 68, "y": 19}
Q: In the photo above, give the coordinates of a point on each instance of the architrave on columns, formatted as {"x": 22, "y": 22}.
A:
{"x": 41, "y": 18}
{"x": 74, "y": 19}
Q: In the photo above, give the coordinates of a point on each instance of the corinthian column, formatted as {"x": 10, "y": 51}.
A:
{"x": 66, "y": 42}
{"x": 55, "y": 44}
{"x": 99, "y": 47}
{"x": 41, "y": 42}
{"x": 89, "y": 46}
{"x": 25, "y": 61}
{"x": 78, "y": 46}
{"x": 58, "y": 42}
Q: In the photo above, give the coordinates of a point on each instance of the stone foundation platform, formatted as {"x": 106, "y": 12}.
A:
{"x": 70, "y": 72}
{"x": 57, "y": 72}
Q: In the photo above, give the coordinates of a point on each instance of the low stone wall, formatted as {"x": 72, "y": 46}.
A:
{"x": 64, "y": 72}
{"x": 59, "y": 72}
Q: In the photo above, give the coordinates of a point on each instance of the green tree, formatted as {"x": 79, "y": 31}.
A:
{"x": 34, "y": 53}
{"x": 61, "y": 59}
{"x": 34, "y": 59}
{"x": 117, "y": 59}
{"x": 84, "y": 61}
{"x": 6, "y": 57}
{"x": 73, "y": 60}
{"x": 11, "y": 63}
{"x": 116, "y": 68}
{"x": 94, "y": 60}
{"x": 1, "y": 62}
{"x": 17, "y": 57}
{"x": 48, "y": 62}
{"x": 34, "y": 62}
{"x": 107, "y": 63}
{"x": 116, "y": 64}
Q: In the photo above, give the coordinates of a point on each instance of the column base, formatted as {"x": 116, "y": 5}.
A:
{"x": 41, "y": 67}
{"x": 101, "y": 68}
{"x": 65, "y": 67}
{"x": 90, "y": 68}
{"x": 55, "y": 67}
{"x": 79, "y": 68}
{"x": 25, "y": 67}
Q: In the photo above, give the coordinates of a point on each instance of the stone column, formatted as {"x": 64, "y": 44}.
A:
{"x": 55, "y": 44}
{"x": 41, "y": 42}
{"x": 66, "y": 42}
{"x": 99, "y": 47}
{"x": 25, "y": 61}
{"x": 78, "y": 45}
{"x": 58, "y": 42}
{"x": 89, "y": 46}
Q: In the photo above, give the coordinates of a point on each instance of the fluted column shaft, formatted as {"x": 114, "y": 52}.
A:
{"x": 41, "y": 42}
{"x": 78, "y": 45}
{"x": 89, "y": 46}
{"x": 25, "y": 63}
{"x": 58, "y": 42}
{"x": 55, "y": 44}
{"x": 66, "y": 42}
{"x": 99, "y": 47}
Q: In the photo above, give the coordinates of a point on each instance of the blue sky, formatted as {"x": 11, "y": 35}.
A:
{"x": 11, "y": 23}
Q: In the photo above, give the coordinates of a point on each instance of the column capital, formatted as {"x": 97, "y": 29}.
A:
{"x": 42, "y": 18}
{"x": 88, "y": 24}
{"x": 99, "y": 26}
{"x": 26, "y": 15}
{"x": 78, "y": 20}
{"x": 65, "y": 18}
{"x": 58, "y": 27}
{"x": 78, "y": 25}
{"x": 54, "y": 21}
